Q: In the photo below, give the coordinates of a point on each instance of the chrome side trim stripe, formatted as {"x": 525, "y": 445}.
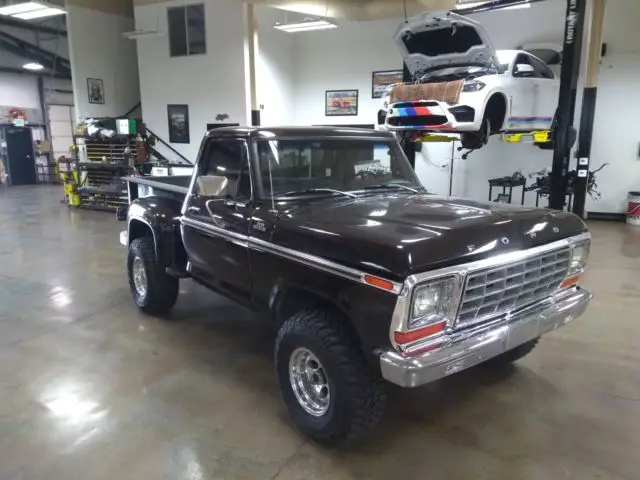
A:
{"x": 236, "y": 238}
{"x": 319, "y": 263}
{"x": 313, "y": 261}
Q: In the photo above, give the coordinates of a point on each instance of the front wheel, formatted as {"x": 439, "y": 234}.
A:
{"x": 476, "y": 140}
{"x": 152, "y": 289}
{"x": 325, "y": 381}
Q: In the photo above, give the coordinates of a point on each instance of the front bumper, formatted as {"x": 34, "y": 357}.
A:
{"x": 123, "y": 238}
{"x": 464, "y": 349}
{"x": 428, "y": 115}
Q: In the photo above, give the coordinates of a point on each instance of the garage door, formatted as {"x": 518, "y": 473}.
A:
{"x": 61, "y": 126}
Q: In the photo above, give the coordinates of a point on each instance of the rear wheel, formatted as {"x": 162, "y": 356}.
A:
{"x": 152, "y": 289}
{"x": 325, "y": 381}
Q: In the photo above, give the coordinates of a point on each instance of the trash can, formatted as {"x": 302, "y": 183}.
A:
{"x": 633, "y": 212}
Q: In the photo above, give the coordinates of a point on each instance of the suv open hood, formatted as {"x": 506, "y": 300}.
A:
{"x": 443, "y": 40}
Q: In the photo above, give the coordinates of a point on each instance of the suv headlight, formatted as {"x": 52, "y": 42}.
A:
{"x": 473, "y": 86}
{"x": 579, "y": 256}
{"x": 432, "y": 302}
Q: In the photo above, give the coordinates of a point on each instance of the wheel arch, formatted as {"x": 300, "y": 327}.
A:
{"x": 286, "y": 300}
{"x": 497, "y": 108}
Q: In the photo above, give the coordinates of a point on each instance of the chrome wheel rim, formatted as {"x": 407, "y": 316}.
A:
{"x": 139, "y": 277}
{"x": 309, "y": 382}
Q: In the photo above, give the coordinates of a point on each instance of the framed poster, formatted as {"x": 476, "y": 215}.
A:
{"x": 178, "y": 123}
{"x": 381, "y": 80}
{"x": 95, "y": 89}
{"x": 341, "y": 103}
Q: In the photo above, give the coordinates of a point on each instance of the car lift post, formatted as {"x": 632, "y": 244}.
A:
{"x": 587, "y": 113}
{"x": 569, "y": 73}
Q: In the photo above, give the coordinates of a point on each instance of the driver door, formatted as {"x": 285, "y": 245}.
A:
{"x": 524, "y": 95}
{"x": 216, "y": 219}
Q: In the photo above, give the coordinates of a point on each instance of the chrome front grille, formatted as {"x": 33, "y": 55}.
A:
{"x": 495, "y": 291}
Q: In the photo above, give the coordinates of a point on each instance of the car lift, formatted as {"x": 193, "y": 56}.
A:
{"x": 560, "y": 137}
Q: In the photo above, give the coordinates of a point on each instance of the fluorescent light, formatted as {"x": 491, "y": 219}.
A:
{"x": 134, "y": 34}
{"x": 20, "y": 8}
{"x": 43, "y": 12}
{"x": 30, "y": 10}
{"x": 461, "y": 6}
{"x": 306, "y": 26}
{"x": 32, "y": 66}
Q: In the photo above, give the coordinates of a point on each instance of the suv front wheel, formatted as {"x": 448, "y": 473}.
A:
{"x": 327, "y": 385}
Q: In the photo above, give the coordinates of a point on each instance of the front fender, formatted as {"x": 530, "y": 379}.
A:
{"x": 160, "y": 217}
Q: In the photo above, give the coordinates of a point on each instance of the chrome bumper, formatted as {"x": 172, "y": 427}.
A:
{"x": 475, "y": 345}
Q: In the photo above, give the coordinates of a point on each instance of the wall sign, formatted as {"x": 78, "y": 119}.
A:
{"x": 341, "y": 103}
{"x": 178, "y": 116}
{"x": 95, "y": 89}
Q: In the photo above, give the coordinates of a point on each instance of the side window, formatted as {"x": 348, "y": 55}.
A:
{"x": 541, "y": 70}
{"x": 225, "y": 171}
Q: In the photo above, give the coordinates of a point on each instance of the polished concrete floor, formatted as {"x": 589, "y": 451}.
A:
{"x": 92, "y": 389}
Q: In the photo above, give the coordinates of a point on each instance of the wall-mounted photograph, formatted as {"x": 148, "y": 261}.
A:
{"x": 95, "y": 88}
{"x": 381, "y": 80}
{"x": 178, "y": 123}
{"x": 341, "y": 103}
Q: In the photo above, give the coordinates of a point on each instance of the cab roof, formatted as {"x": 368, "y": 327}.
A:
{"x": 297, "y": 132}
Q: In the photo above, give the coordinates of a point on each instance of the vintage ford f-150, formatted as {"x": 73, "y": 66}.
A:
{"x": 366, "y": 276}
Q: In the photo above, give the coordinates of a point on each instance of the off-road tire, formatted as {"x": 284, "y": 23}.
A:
{"x": 162, "y": 289}
{"x": 357, "y": 394}
{"x": 507, "y": 358}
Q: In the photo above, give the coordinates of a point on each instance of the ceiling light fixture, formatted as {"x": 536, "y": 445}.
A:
{"x": 306, "y": 25}
{"x": 32, "y": 66}
{"x": 30, "y": 10}
{"x": 135, "y": 34}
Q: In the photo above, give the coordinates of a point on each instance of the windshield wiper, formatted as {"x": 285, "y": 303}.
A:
{"x": 391, "y": 185}
{"x": 316, "y": 190}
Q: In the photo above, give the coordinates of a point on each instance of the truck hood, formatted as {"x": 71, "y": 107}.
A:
{"x": 443, "y": 40}
{"x": 397, "y": 235}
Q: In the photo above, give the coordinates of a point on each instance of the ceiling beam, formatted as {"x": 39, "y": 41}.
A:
{"x": 22, "y": 71}
{"x": 34, "y": 27}
{"x": 34, "y": 53}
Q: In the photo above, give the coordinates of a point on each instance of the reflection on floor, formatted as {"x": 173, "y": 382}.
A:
{"x": 92, "y": 389}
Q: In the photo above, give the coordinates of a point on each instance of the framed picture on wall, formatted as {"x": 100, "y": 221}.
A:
{"x": 95, "y": 89}
{"x": 381, "y": 80}
{"x": 178, "y": 123}
{"x": 341, "y": 103}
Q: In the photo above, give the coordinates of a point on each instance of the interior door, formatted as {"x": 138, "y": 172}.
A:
{"x": 525, "y": 97}
{"x": 216, "y": 220}
{"x": 22, "y": 165}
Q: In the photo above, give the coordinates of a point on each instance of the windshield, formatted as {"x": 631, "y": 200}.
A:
{"x": 295, "y": 167}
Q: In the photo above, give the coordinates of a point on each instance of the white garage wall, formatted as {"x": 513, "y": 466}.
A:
{"x": 616, "y": 138}
{"x": 275, "y": 70}
{"x": 210, "y": 84}
{"x": 19, "y": 90}
{"x": 344, "y": 58}
{"x": 98, "y": 50}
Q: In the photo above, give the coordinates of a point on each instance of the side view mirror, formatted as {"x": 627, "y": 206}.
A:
{"x": 523, "y": 70}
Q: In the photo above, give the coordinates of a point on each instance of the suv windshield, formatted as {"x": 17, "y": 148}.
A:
{"x": 333, "y": 166}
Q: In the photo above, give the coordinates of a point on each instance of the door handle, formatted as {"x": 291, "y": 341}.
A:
{"x": 193, "y": 209}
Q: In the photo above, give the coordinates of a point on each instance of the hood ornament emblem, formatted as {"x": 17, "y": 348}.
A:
{"x": 504, "y": 240}
{"x": 556, "y": 229}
